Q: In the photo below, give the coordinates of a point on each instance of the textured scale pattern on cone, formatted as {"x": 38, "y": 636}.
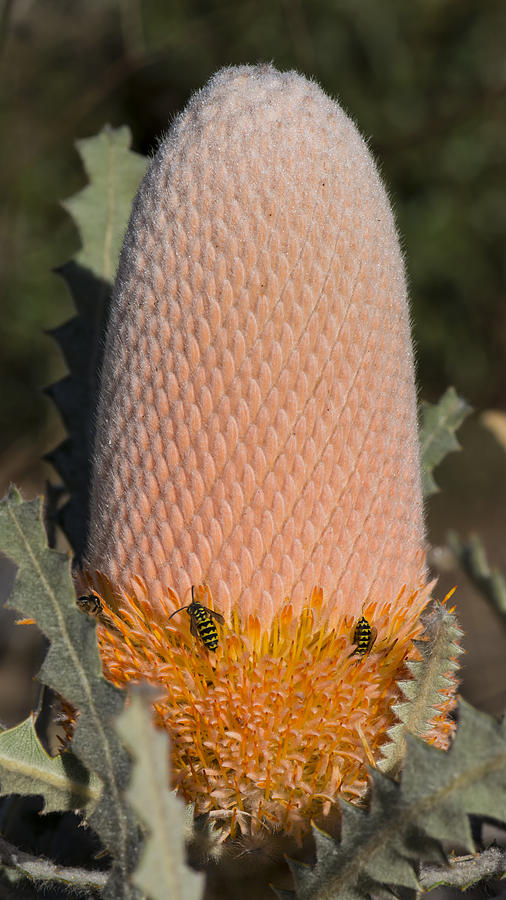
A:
{"x": 257, "y": 426}
{"x": 257, "y": 442}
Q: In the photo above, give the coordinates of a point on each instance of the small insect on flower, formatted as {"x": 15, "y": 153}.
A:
{"x": 364, "y": 636}
{"x": 202, "y": 624}
{"x": 90, "y": 604}
{"x": 93, "y": 606}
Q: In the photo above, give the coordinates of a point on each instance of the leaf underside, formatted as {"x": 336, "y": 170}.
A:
{"x": 43, "y": 591}
{"x": 431, "y": 677}
{"x": 438, "y": 424}
{"x": 26, "y": 769}
{"x": 161, "y": 872}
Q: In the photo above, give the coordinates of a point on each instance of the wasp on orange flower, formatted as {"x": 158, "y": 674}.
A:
{"x": 93, "y": 605}
{"x": 364, "y": 636}
{"x": 202, "y": 624}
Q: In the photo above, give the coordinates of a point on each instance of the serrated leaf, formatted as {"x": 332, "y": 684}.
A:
{"x": 438, "y": 424}
{"x": 101, "y": 212}
{"x": 26, "y": 768}
{"x": 162, "y": 873}
{"x": 472, "y": 557}
{"x": 470, "y": 777}
{"x": 430, "y": 678}
{"x": 80, "y": 340}
{"x": 101, "y": 209}
{"x": 407, "y": 820}
{"x": 43, "y": 591}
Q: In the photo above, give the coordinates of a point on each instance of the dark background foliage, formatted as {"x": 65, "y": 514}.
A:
{"x": 425, "y": 81}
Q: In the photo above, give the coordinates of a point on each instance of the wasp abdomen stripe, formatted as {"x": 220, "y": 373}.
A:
{"x": 209, "y": 635}
{"x": 362, "y": 636}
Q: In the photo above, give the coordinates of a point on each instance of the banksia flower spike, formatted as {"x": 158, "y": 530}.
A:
{"x": 257, "y": 453}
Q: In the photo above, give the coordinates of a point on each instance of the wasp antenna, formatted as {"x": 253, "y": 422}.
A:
{"x": 176, "y": 611}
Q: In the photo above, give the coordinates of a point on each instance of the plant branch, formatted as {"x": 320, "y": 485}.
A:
{"x": 37, "y": 868}
{"x": 463, "y": 871}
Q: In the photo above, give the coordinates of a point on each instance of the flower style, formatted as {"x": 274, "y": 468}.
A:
{"x": 257, "y": 442}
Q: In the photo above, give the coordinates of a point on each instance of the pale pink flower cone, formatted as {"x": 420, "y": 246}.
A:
{"x": 257, "y": 441}
{"x": 257, "y": 423}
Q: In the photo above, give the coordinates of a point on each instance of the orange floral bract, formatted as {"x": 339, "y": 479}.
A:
{"x": 277, "y": 723}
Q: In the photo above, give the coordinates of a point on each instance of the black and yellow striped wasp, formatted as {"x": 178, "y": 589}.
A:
{"x": 201, "y": 620}
{"x": 364, "y": 636}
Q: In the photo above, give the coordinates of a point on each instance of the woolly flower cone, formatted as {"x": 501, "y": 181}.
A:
{"x": 257, "y": 440}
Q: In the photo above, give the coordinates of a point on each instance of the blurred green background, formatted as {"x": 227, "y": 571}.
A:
{"x": 425, "y": 81}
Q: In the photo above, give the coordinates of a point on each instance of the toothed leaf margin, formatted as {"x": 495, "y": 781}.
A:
{"x": 43, "y": 591}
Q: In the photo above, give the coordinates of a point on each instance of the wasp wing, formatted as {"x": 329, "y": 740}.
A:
{"x": 216, "y": 615}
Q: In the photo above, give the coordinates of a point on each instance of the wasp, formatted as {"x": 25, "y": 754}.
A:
{"x": 93, "y": 606}
{"x": 364, "y": 636}
{"x": 90, "y": 604}
{"x": 201, "y": 619}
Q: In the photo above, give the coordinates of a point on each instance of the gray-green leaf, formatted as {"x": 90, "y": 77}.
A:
{"x": 438, "y": 424}
{"x": 424, "y": 690}
{"x": 161, "y": 873}
{"x": 406, "y": 822}
{"x": 101, "y": 209}
{"x": 43, "y": 591}
{"x": 26, "y": 768}
{"x": 101, "y": 212}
